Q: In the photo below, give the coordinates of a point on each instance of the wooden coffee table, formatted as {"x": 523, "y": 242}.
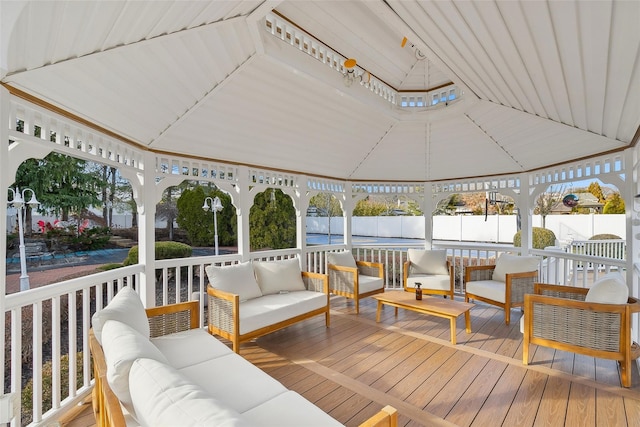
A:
{"x": 428, "y": 305}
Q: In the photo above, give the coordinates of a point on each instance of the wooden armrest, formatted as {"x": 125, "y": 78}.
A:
{"x": 342, "y": 268}
{"x": 217, "y": 293}
{"x": 224, "y": 312}
{"x": 313, "y": 278}
{"x": 367, "y": 268}
{"x": 478, "y": 272}
{"x": 387, "y": 417}
{"x": 560, "y": 291}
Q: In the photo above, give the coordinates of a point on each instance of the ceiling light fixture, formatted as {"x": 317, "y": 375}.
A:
{"x": 350, "y": 73}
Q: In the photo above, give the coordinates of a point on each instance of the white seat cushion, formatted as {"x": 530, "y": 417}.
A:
{"x": 508, "y": 264}
{"x": 369, "y": 283}
{"x": 609, "y": 289}
{"x": 425, "y": 261}
{"x": 238, "y": 279}
{"x": 299, "y": 412}
{"x": 430, "y": 281}
{"x": 234, "y": 381}
{"x": 122, "y": 345}
{"x": 270, "y": 309}
{"x": 281, "y": 275}
{"x": 344, "y": 258}
{"x": 125, "y": 307}
{"x": 490, "y": 289}
{"x": 164, "y": 397}
{"x": 190, "y": 347}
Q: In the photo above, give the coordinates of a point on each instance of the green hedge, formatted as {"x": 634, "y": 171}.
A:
{"x": 541, "y": 237}
{"x": 164, "y": 250}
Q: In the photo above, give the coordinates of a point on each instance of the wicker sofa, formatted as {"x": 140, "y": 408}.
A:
{"x": 251, "y": 299}
{"x": 564, "y": 318}
{"x": 156, "y": 367}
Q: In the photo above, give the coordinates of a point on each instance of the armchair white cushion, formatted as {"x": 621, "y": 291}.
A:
{"x": 430, "y": 268}
{"x": 125, "y": 307}
{"x": 431, "y": 261}
{"x": 609, "y": 289}
{"x": 281, "y": 275}
{"x": 238, "y": 279}
{"x": 507, "y": 264}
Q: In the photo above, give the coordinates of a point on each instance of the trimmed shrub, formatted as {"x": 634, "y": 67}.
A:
{"x": 605, "y": 237}
{"x": 541, "y": 237}
{"x": 164, "y": 250}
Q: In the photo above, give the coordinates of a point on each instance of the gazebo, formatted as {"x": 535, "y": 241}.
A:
{"x": 421, "y": 99}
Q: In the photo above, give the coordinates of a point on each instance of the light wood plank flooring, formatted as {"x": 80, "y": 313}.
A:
{"x": 357, "y": 366}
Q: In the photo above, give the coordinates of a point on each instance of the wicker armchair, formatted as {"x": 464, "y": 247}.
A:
{"x": 354, "y": 279}
{"x": 431, "y": 269}
{"x": 557, "y": 317}
{"x": 479, "y": 285}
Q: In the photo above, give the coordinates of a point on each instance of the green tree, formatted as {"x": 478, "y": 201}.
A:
{"x": 198, "y": 223}
{"x": 595, "y": 189}
{"x": 614, "y": 205}
{"x": 64, "y": 185}
{"x": 272, "y": 221}
{"x": 368, "y": 207}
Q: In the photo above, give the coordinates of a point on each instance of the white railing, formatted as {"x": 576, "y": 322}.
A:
{"x": 41, "y": 318}
{"x": 45, "y": 323}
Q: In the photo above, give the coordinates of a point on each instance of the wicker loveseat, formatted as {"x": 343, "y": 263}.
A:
{"x": 558, "y": 317}
{"x": 251, "y": 299}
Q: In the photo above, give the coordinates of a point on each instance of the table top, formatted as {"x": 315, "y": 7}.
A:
{"x": 428, "y": 303}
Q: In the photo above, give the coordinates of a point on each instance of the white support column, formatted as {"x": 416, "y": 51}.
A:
{"x": 348, "y": 205}
{"x": 301, "y": 206}
{"x": 146, "y": 199}
{"x": 632, "y": 204}
{"x": 5, "y": 181}
{"x": 428, "y": 206}
{"x": 525, "y": 205}
{"x": 243, "y": 208}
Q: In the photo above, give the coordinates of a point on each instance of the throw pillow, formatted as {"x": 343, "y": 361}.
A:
{"x": 122, "y": 345}
{"x": 508, "y": 264}
{"x": 237, "y": 279}
{"x": 609, "y": 289}
{"x": 276, "y": 276}
{"x": 162, "y": 396}
{"x": 432, "y": 261}
{"x": 125, "y": 307}
{"x": 344, "y": 259}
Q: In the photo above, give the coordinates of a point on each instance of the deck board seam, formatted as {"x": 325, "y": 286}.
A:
{"x": 617, "y": 390}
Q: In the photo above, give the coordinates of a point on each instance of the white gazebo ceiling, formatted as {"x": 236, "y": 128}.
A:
{"x": 543, "y": 82}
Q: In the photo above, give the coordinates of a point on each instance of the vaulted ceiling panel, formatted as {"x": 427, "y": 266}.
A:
{"x": 539, "y": 83}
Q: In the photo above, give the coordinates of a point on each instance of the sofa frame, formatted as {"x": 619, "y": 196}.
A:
{"x": 548, "y": 303}
{"x": 224, "y": 312}
{"x": 166, "y": 320}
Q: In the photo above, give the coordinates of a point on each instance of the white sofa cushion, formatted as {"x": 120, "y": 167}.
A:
{"x": 281, "y": 275}
{"x": 430, "y": 281}
{"x": 344, "y": 259}
{"x": 423, "y": 261}
{"x": 271, "y": 309}
{"x": 190, "y": 347}
{"x": 125, "y": 307}
{"x": 491, "y": 289}
{"x": 369, "y": 283}
{"x": 508, "y": 264}
{"x": 238, "y": 279}
{"x": 299, "y": 412}
{"x": 164, "y": 397}
{"x": 609, "y": 289}
{"x": 236, "y": 382}
{"x": 122, "y": 345}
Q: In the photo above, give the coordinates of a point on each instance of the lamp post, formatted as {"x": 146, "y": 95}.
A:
{"x": 18, "y": 202}
{"x": 216, "y": 206}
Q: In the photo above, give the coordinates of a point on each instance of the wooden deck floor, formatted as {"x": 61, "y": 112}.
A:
{"x": 357, "y": 366}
